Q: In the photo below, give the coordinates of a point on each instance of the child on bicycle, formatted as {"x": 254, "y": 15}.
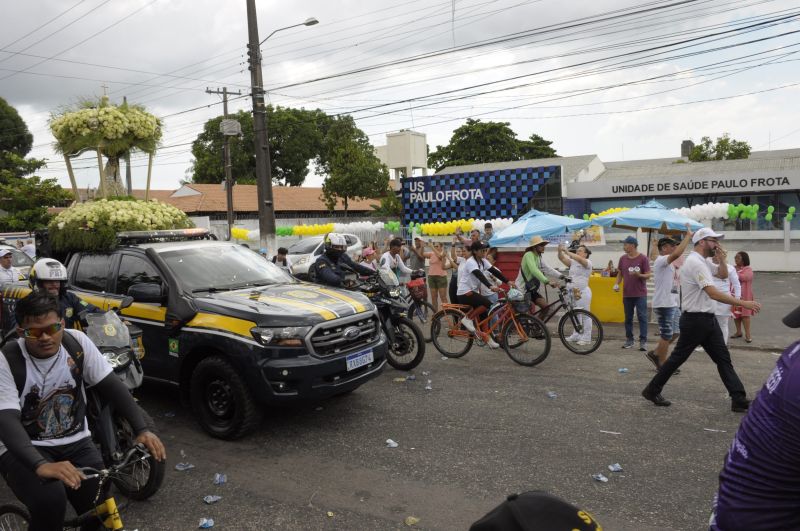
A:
{"x": 473, "y": 286}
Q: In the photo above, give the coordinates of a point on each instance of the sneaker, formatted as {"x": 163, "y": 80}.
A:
{"x": 583, "y": 343}
{"x": 740, "y": 406}
{"x": 643, "y": 346}
{"x": 573, "y": 338}
{"x": 492, "y": 343}
{"x": 628, "y": 344}
{"x": 468, "y": 324}
{"x": 653, "y": 357}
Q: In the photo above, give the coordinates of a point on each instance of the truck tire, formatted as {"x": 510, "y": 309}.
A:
{"x": 222, "y": 401}
{"x": 144, "y": 478}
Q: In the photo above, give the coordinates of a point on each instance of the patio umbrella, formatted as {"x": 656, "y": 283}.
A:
{"x": 534, "y": 223}
{"x": 652, "y": 216}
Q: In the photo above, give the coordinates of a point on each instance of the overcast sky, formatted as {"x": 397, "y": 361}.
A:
{"x": 578, "y": 73}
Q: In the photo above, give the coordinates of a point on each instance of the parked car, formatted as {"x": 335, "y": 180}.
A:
{"x": 305, "y": 252}
{"x": 233, "y": 331}
{"x": 20, "y": 260}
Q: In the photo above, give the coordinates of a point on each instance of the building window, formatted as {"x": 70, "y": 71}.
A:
{"x": 548, "y": 198}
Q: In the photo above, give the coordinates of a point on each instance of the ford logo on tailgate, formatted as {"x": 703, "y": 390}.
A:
{"x": 351, "y": 332}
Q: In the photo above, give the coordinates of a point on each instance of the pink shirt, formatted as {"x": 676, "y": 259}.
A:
{"x": 435, "y": 268}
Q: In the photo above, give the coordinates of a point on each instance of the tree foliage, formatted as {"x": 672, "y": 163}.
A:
{"x": 390, "y": 206}
{"x": 478, "y": 142}
{"x": 295, "y": 139}
{"x": 725, "y": 148}
{"x": 354, "y": 173}
{"x": 15, "y": 136}
{"x": 25, "y": 199}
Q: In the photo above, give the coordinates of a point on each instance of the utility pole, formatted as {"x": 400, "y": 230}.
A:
{"x": 128, "y": 181}
{"x": 226, "y": 152}
{"x": 266, "y": 207}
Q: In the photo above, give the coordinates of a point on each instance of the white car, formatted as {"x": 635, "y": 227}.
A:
{"x": 305, "y": 252}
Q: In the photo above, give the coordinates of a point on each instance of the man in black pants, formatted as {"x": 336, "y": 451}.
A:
{"x": 699, "y": 326}
{"x": 44, "y": 435}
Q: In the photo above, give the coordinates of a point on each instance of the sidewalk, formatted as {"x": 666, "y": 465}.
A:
{"x": 779, "y": 293}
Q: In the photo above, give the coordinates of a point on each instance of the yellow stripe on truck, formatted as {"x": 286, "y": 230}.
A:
{"x": 357, "y": 306}
{"x": 213, "y": 321}
{"x": 322, "y": 312}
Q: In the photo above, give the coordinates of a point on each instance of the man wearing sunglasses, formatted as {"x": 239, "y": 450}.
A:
{"x": 44, "y": 435}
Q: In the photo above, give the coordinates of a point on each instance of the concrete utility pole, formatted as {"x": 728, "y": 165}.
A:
{"x": 266, "y": 207}
{"x": 226, "y": 155}
{"x": 128, "y": 181}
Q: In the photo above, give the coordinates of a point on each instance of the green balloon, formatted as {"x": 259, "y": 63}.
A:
{"x": 792, "y": 209}
{"x": 768, "y": 217}
{"x": 789, "y": 217}
{"x": 770, "y": 209}
{"x": 586, "y": 216}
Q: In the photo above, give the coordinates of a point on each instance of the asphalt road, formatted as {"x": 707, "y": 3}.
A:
{"x": 486, "y": 429}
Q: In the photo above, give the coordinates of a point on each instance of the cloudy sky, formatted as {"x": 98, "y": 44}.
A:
{"x": 625, "y": 79}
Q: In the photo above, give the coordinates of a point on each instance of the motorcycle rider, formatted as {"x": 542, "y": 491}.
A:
{"x": 50, "y": 275}
{"x": 38, "y": 460}
{"x": 328, "y": 267}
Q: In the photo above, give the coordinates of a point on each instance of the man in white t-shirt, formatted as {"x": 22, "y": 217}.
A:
{"x": 727, "y": 281}
{"x": 699, "y": 326}
{"x": 666, "y": 300}
{"x": 8, "y": 273}
{"x": 43, "y": 427}
{"x": 393, "y": 261}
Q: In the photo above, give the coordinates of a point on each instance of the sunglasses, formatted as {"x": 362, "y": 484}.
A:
{"x": 38, "y": 331}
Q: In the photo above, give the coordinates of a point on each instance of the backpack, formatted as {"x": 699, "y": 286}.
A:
{"x": 16, "y": 361}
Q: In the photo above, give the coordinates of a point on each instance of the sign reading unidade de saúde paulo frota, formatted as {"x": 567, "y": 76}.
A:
{"x": 480, "y": 195}
{"x": 681, "y": 186}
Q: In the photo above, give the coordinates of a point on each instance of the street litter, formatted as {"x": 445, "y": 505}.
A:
{"x": 212, "y": 498}
{"x": 714, "y": 431}
{"x": 444, "y": 357}
{"x": 623, "y": 370}
{"x": 330, "y": 514}
{"x": 183, "y": 454}
{"x": 183, "y": 466}
{"x": 428, "y": 386}
{"x": 411, "y": 520}
{"x": 552, "y": 394}
{"x": 411, "y": 377}
{"x": 391, "y": 444}
{"x": 616, "y": 467}
{"x": 206, "y": 523}
{"x": 403, "y": 379}
{"x": 600, "y": 477}
{"x": 425, "y": 373}
{"x": 220, "y": 479}
{"x": 610, "y": 432}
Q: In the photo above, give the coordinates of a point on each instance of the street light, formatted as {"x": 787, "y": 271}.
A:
{"x": 266, "y": 207}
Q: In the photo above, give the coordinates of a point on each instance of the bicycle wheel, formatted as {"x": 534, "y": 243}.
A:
{"x": 14, "y": 518}
{"x": 572, "y": 325}
{"x": 449, "y": 336}
{"x": 421, "y": 313}
{"x": 408, "y": 347}
{"x": 532, "y": 345}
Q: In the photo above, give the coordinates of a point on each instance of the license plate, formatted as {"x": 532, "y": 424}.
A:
{"x": 359, "y": 359}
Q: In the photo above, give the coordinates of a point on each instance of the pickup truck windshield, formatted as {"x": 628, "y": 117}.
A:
{"x": 222, "y": 267}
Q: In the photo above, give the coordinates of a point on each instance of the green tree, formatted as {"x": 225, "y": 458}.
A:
{"x": 295, "y": 139}
{"x": 536, "y": 147}
{"x": 478, "y": 142}
{"x": 725, "y": 148}
{"x": 354, "y": 173}
{"x": 390, "y": 207}
{"x": 15, "y": 137}
{"x": 25, "y": 199}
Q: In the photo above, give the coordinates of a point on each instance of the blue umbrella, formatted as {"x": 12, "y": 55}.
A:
{"x": 535, "y": 223}
{"x": 652, "y": 216}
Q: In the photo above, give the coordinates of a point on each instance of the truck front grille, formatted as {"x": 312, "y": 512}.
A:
{"x": 339, "y": 337}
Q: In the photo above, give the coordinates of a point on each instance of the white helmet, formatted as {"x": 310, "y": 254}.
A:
{"x": 335, "y": 239}
{"x": 46, "y": 269}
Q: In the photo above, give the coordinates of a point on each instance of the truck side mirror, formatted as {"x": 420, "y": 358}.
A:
{"x": 146, "y": 292}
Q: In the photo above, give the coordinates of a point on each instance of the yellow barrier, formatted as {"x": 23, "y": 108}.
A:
{"x": 606, "y": 303}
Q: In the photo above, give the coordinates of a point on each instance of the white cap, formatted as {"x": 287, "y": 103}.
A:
{"x": 704, "y": 233}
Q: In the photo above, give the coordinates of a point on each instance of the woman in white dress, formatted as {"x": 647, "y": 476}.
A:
{"x": 580, "y": 269}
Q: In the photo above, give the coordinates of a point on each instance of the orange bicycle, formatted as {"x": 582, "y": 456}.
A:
{"x": 524, "y": 337}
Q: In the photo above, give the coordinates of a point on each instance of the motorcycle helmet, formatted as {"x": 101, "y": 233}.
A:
{"x": 48, "y": 269}
{"x": 335, "y": 245}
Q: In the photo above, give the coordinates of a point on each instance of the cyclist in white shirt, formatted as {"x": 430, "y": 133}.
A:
{"x": 699, "y": 326}
{"x": 471, "y": 277}
{"x": 393, "y": 261}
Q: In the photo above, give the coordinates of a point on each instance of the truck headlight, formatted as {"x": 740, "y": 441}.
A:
{"x": 287, "y": 336}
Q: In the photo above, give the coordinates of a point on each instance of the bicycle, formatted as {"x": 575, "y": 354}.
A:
{"x": 524, "y": 337}
{"x": 16, "y": 518}
{"x": 572, "y": 322}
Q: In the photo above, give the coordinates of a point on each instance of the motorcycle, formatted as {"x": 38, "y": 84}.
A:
{"x": 121, "y": 344}
{"x": 406, "y": 342}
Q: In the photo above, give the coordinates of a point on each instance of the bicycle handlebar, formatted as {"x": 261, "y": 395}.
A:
{"x": 138, "y": 451}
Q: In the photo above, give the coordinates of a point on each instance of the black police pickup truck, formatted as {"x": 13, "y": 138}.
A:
{"x": 235, "y": 332}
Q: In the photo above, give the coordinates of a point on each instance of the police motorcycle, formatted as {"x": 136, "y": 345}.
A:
{"x": 121, "y": 344}
{"x": 406, "y": 342}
